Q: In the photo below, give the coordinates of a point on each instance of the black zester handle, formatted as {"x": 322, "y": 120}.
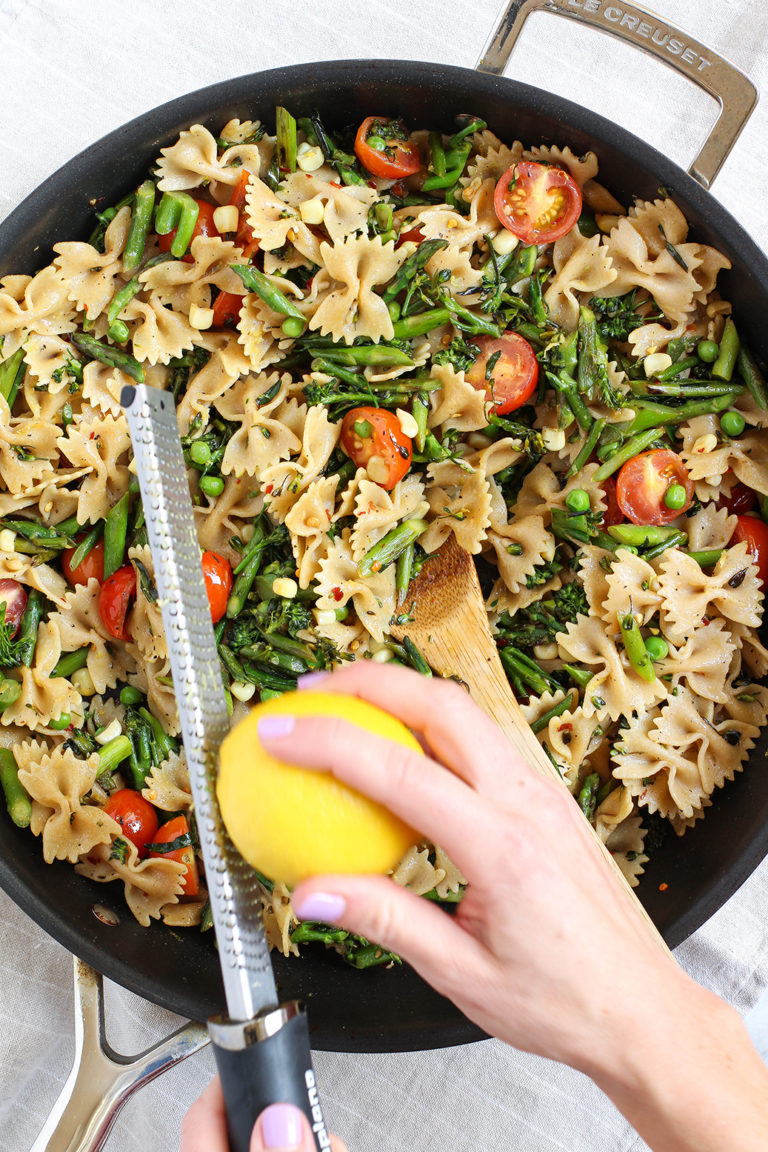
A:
{"x": 262, "y": 1062}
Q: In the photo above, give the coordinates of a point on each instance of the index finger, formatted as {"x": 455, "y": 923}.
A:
{"x": 457, "y": 731}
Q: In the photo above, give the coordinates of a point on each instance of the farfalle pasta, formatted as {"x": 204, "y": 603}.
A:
{"x": 365, "y": 363}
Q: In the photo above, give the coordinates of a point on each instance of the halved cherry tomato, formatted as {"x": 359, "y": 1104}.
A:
{"x": 398, "y": 157}
{"x": 91, "y": 568}
{"x": 754, "y": 533}
{"x": 244, "y": 237}
{"x": 643, "y": 482}
{"x": 536, "y": 202}
{"x": 166, "y": 834}
{"x": 218, "y": 583}
{"x": 226, "y": 310}
{"x": 135, "y": 815}
{"x": 13, "y": 597}
{"x": 414, "y": 235}
{"x": 613, "y": 514}
{"x": 741, "y": 499}
{"x": 116, "y": 597}
{"x": 514, "y": 371}
{"x": 204, "y": 226}
{"x": 374, "y": 440}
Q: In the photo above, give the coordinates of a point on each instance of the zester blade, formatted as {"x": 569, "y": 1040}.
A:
{"x": 249, "y": 984}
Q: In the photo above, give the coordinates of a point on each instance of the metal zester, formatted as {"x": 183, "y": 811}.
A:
{"x": 262, "y": 1047}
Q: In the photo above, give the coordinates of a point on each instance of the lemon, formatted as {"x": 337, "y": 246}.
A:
{"x": 290, "y": 822}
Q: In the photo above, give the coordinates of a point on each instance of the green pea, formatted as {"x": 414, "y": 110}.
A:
{"x": 362, "y": 429}
{"x": 67, "y": 415}
{"x": 707, "y": 351}
{"x": 130, "y": 696}
{"x": 578, "y": 500}
{"x": 342, "y": 613}
{"x": 393, "y": 307}
{"x": 732, "y": 423}
{"x": 675, "y": 497}
{"x": 119, "y": 331}
{"x": 378, "y": 143}
{"x": 62, "y": 722}
{"x": 293, "y": 327}
{"x": 657, "y": 647}
{"x": 211, "y": 485}
{"x": 200, "y": 453}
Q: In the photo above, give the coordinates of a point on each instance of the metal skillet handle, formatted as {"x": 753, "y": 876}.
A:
{"x": 734, "y": 92}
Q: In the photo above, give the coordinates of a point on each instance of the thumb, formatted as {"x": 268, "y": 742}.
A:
{"x": 284, "y": 1128}
{"x": 398, "y": 920}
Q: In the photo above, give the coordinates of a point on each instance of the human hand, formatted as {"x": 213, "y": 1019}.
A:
{"x": 545, "y": 950}
{"x": 279, "y": 1128}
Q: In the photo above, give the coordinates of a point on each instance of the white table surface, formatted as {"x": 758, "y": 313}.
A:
{"x": 72, "y": 71}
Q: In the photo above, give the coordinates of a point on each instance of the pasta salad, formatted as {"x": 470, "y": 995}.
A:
{"x": 375, "y": 340}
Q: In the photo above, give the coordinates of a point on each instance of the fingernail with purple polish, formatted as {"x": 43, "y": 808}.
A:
{"x": 323, "y": 906}
{"x": 271, "y": 726}
{"x": 281, "y": 1126}
{"x": 311, "y": 679}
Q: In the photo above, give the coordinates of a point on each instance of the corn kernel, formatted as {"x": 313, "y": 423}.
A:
{"x": 200, "y": 318}
{"x": 284, "y": 586}
{"x": 377, "y": 469}
{"x": 81, "y": 681}
{"x": 545, "y": 651}
{"x": 407, "y": 422}
{"x": 383, "y": 656}
{"x": 705, "y": 443}
{"x": 309, "y": 157}
{"x": 312, "y": 210}
{"x": 504, "y": 242}
{"x": 110, "y": 732}
{"x": 226, "y": 218}
{"x": 325, "y": 617}
{"x": 241, "y": 690}
{"x": 554, "y": 439}
{"x": 606, "y": 221}
{"x": 655, "y": 363}
{"x": 7, "y": 540}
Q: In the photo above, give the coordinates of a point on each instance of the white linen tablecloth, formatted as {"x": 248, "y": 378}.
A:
{"x": 72, "y": 71}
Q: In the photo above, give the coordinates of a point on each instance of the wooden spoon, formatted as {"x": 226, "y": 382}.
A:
{"x": 446, "y": 618}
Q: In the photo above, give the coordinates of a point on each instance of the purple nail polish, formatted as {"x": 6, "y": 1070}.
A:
{"x": 323, "y": 906}
{"x": 271, "y": 726}
{"x": 281, "y": 1126}
{"x": 311, "y": 679}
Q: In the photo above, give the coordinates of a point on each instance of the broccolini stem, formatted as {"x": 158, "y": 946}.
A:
{"x": 632, "y": 447}
{"x": 673, "y": 541}
{"x": 542, "y": 722}
{"x": 403, "y": 573}
{"x": 415, "y": 657}
{"x": 141, "y": 222}
{"x": 115, "y": 532}
{"x": 580, "y": 676}
{"x": 115, "y": 357}
{"x": 410, "y": 326}
{"x": 11, "y": 375}
{"x": 17, "y": 799}
{"x": 694, "y": 388}
{"x": 113, "y": 754}
{"x": 71, "y": 661}
{"x": 642, "y": 535}
{"x": 650, "y": 414}
{"x": 287, "y": 144}
{"x": 752, "y": 377}
{"x": 708, "y": 557}
{"x": 27, "y": 638}
{"x": 257, "y": 282}
{"x": 587, "y": 799}
{"x": 587, "y": 447}
{"x": 86, "y": 545}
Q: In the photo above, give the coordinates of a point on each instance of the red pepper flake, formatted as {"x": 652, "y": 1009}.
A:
{"x": 268, "y": 490}
{"x": 663, "y": 887}
{"x": 337, "y": 593}
{"x": 335, "y": 183}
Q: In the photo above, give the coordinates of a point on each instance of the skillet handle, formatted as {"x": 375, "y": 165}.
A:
{"x": 101, "y": 1079}
{"x": 266, "y": 1061}
{"x": 734, "y": 92}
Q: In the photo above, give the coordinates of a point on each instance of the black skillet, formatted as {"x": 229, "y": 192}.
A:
{"x": 394, "y": 1010}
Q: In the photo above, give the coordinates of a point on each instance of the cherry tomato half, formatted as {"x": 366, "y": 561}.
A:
{"x": 536, "y": 202}
{"x": 741, "y": 499}
{"x": 135, "y": 815}
{"x": 91, "y": 568}
{"x": 244, "y": 237}
{"x": 166, "y": 834}
{"x": 116, "y": 598}
{"x": 14, "y": 599}
{"x": 226, "y": 310}
{"x": 204, "y": 226}
{"x": 754, "y": 533}
{"x": 643, "y": 483}
{"x": 218, "y": 583}
{"x": 514, "y": 371}
{"x": 374, "y": 440}
{"x": 393, "y": 153}
{"x": 411, "y": 235}
{"x": 613, "y": 514}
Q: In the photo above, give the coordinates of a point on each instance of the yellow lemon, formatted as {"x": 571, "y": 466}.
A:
{"x": 290, "y": 822}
